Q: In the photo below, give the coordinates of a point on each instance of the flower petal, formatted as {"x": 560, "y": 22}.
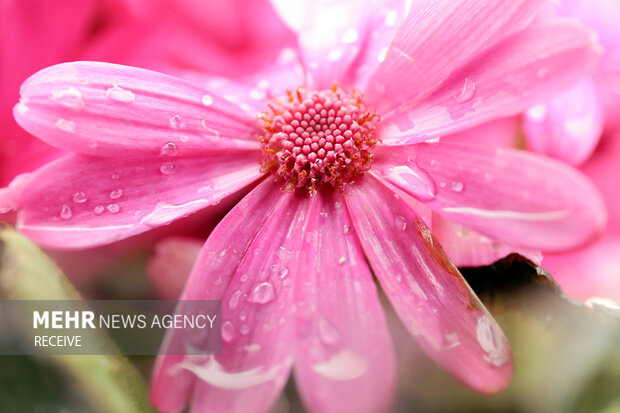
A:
{"x": 514, "y": 196}
{"x": 568, "y": 126}
{"x": 330, "y": 34}
{"x": 428, "y": 293}
{"x": 521, "y": 71}
{"x": 345, "y": 359}
{"x": 111, "y": 110}
{"x": 170, "y": 388}
{"x": 469, "y": 248}
{"x": 170, "y": 266}
{"x": 439, "y": 37}
{"x": 80, "y": 201}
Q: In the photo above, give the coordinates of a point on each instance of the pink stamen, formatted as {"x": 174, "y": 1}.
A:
{"x": 318, "y": 137}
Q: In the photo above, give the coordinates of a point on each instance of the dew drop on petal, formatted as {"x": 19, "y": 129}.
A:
{"x": 262, "y": 293}
{"x": 280, "y": 270}
{"x": 115, "y": 177}
{"x": 175, "y": 121}
{"x": 167, "y": 168}
{"x": 457, "y": 186}
{"x": 118, "y": 94}
{"x": 98, "y": 210}
{"x": 327, "y": 332}
{"x": 116, "y": 194}
{"x": 79, "y": 197}
{"x": 169, "y": 149}
{"x": 468, "y": 91}
{"x": 65, "y": 213}
{"x": 244, "y": 329}
{"x": 113, "y": 208}
{"x": 65, "y": 125}
{"x": 207, "y": 100}
{"x": 228, "y": 331}
{"x": 70, "y": 98}
{"x": 243, "y": 278}
{"x": 233, "y": 302}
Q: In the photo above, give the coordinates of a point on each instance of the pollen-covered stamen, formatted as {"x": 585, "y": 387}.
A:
{"x": 311, "y": 138}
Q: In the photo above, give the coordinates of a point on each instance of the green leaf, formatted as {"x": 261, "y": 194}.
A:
{"x": 108, "y": 383}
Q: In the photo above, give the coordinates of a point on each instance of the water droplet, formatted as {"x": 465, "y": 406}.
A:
{"x": 175, "y": 121}
{"x": 79, "y": 197}
{"x": 243, "y": 278}
{"x": 167, "y": 168}
{"x": 228, "y": 331}
{"x": 457, "y": 186}
{"x": 65, "y": 212}
{"x": 347, "y": 229}
{"x": 243, "y": 315}
{"x": 117, "y": 193}
{"x": 468, "y": 91}
{"x": 262, "y": 293}
{"x": 207, "y": 100}
{"x": 98, "y": 210}
{"x": 280, "y": 270}
{"x": 118, "y": 94}
{"x": 115, "y": 177}
{"x": 252, "y": 348}
{"x": 169, "y": 149}
{"x": 65, "y": 125}
{"x": 233, "y": 302}
{"x": 327, "y": 332}
{"x": 342, "y": 260}
{"x": 184, "y": 138}
{"x": 113, "y": 208}
{"x": 244, "y": 329}
{"x": 71, "y": 98}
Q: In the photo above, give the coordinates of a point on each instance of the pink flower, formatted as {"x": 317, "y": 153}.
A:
{"x": 569, "y": 125}
{"x": 291, "y": 267}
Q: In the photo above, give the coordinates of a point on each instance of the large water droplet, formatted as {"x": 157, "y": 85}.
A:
{"x": 113, "y": 208}
{"x": 457, "y": 186}
{"x": 280, "y": 270}
{"x": 169, "y": 149}
{"x": 468, "y": 91}
{"x": 262, "y": 293}
{"x": 118, "y": 94}
{"x": 65, "y": 212}
{"x": 71, "y": 98}
{"x": 228, "y": 331}
{"x": 207, "y": 100}
{"x": 79, "y": 197}
{"x": 233, "y": 302}
{"x": 327, "y": 332}
{"x": 175, "y": 121}
{"x": 65, "y": 125}
{"x": 117, "y": 193}
{"x": 167, "y": 168}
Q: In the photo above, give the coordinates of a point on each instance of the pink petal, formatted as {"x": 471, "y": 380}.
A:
{"x": 213, "y": 271}
{"x": 382, "y": 26}
{"x": 502, "y": 133}
{"x": 257, "y": 302}
{"x": 80, "y": 201}
{"x": 169, "y": 268}
{"x": 519, "y": 72}
{"x": 111, "y": 110}
{"x": 427, "y": 291}
{"x": 589, "y": 272}
{"x": 568, "y": 126}
{"x": 329, "y": 35}
{"x": 345, "y": 359}
{"x": 439, "y": 37}
{"x": 514, "y": 196}
{"x": 469, "y": 248}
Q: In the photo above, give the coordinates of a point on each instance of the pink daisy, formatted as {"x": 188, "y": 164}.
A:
{"x": 333, "y": 147}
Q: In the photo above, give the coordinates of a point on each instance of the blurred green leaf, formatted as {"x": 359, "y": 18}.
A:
{"x": 106, "y": 383}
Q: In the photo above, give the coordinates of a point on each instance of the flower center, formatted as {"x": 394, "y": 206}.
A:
{"x": 313, "y": 138}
